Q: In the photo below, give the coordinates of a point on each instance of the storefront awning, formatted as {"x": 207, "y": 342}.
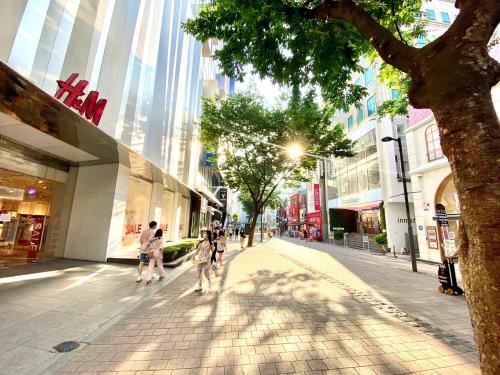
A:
{"x": 209, "y": 195}
{"x": 34, "y": 119}
{"x": 361, "y": 206}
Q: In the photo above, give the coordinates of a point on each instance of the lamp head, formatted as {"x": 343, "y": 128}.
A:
{"x": 294, "y": 151}
{"x": 388, "y": 139}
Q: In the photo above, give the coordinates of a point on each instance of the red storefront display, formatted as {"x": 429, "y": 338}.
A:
{"x": 294, "y": 210}
{"x": 317, "y": 198}
{"x": 314, "y": 226}
{"x": 34, "y": 225}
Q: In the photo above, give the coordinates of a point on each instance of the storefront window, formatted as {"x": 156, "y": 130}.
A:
{"x": 362, "y": 179}
{"x": 373, "y": 175}
{"x": 167, "y": 214}
{"x": 344, "y": 187}
{"x": 25, "y": 209}
{"x": 353, "y": 181}
{"x": 136, "y": 212}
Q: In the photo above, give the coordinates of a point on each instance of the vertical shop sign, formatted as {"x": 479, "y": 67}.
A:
{"x": 36, "y": 236}
{"x": 317, "y": 198}
{"x": 92, "y": 107}
{"x": 294, "y": 209}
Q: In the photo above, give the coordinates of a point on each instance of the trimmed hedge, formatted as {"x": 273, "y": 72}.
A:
{"x": 177, "y": 250}
{"x": 338, "y": 234}
{"x": 381, "y": 238}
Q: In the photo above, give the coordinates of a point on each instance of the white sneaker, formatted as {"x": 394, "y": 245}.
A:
{"x": 198, "y": 288}
{"x": 139, "y": 279}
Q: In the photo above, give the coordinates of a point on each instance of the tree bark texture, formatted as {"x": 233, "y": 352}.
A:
{"x": 470, "y": 138}
{"x": 252, "y": 228}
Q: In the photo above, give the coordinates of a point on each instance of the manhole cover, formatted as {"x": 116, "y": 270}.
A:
{"x": 66, "y": 346}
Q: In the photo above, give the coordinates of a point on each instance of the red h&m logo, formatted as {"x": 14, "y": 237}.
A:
{"x": 92, "y": 108}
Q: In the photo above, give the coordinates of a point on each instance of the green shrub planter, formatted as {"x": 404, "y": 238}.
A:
{"x": 381, "y": 239}
{"x": 177, "y": 250}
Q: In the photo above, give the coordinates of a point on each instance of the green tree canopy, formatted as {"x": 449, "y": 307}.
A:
{"x": 320, "y": 42}
{"x": 251, "y": 141}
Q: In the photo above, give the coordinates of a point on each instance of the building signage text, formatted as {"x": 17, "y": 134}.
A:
{"x": 92, "y": 107}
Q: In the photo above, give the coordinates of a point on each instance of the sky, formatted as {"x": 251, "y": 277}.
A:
{"x": 267, "y": 89}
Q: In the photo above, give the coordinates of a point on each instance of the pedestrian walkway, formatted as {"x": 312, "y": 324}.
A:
{"x": 42, "y": 305}
{"x": 266, "y": 314}
{"x": 386, "y": 282}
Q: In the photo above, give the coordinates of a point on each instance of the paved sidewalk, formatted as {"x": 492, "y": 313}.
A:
{"x": 264, "y": 315}
{"x": 42, "y": 305}
{"x": 390, "y": 281}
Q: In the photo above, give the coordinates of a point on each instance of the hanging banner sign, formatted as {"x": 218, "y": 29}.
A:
{"x": 317, "y": 198}
{"x": 92, "y": 107}
{"x": 294, "y": 209}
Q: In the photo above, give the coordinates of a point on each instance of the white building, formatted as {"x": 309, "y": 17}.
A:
{"x": 373, "y": 175}
{"x": 92, "y": 189}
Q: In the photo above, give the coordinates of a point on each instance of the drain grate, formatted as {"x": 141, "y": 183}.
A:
{"x": 66, "y": 346}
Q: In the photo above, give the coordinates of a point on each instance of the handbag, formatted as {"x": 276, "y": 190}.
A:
{"x": 195, "y": 260}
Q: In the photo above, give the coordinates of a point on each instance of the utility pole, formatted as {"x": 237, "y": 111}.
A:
{"x": 324, "y": 201}
{"x": 407, "y": 204}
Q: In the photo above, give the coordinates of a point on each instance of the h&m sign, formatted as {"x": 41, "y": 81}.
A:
{"x": 92, "y": 107}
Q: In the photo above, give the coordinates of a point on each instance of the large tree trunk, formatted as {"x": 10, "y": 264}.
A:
{"x": 255, "y": 215}
{"x": 470, "y": 138}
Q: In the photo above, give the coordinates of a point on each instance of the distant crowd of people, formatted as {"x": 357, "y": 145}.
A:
{"x": 209, "y": 251}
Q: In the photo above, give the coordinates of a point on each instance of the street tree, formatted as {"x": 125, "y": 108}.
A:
{"x": 251, "y": 141}
{"x": 246, "y": 201}
{"x": 320, "y": 42}
{"x": 235, "y": 217}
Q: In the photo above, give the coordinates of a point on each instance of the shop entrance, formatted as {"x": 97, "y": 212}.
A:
{"x": 368, "y": 222}
{"x": 25, "y": 204}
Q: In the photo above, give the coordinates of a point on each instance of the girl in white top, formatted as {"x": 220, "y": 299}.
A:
{"x": 203, "y": 253}
{"x": 221, "y": 247}
{"x": 155, "y": 252}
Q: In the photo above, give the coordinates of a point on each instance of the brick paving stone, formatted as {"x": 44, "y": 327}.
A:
{"x": 269, "y": 316}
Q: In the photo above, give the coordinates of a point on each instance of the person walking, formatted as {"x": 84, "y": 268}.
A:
{"x": 213, "y": 258}
{"x": 230, "y": 231}
{"x": 201, "y": 259}
{"x": 155, "y": 253}
{"x": 221, "y": 247}
{"x": 242, "y": 238}
{"x": 145, "y": 240}
{"x": 237, "y": 232}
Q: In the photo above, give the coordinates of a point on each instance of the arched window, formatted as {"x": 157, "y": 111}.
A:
{"x": 433, "y": 143}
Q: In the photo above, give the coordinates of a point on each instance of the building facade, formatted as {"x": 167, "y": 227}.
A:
{"x": 361, "y": 183}
{"x": 432, "y": 181}
{"x": 69, "y": 188}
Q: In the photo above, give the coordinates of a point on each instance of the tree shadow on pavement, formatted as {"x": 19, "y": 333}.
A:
{"x": 266, "y": 318}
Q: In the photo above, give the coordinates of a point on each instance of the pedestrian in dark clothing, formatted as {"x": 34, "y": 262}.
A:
{"x": 213, "y": 259}
{"x": 237, "y": 232}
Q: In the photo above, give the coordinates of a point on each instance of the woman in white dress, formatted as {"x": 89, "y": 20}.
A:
{"x": 221, "y": 247}
{"x": 202, "y": 260}
{"x": 155, "y": 253}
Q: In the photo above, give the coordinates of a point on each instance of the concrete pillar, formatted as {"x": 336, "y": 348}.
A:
{"x": 98, "y": 212}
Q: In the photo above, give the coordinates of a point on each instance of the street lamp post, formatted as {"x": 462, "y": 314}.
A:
{"x": 324, "y": 201}
{"x": 407, "y": 204}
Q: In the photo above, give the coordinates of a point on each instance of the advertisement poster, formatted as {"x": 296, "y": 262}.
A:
{"x": 294, "y": 210}
{"x": 314, "y": 225}
{"x": 317, "y": 198}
